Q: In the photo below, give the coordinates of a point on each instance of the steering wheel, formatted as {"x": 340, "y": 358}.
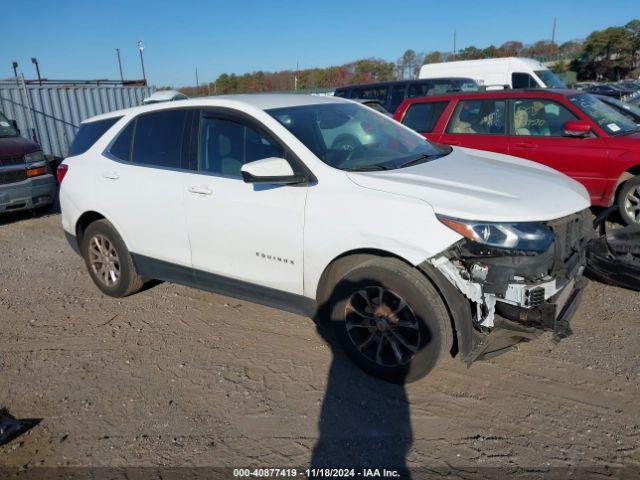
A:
{"x": 353, "y": 153}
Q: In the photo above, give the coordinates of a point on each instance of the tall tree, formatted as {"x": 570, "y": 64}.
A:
{"x": 607, "y": 54}
{"x": 511, "y": 48}
{"x": 432, "y": 57}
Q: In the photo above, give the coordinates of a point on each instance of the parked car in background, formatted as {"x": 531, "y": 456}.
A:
{"x": 514, "y": 72}
{"x": 409, "y": 249}
{"x": 164, "y": 96}
{"x": 375, "y": 104}
{"x": 570, "y": 131}
{"x": 630, "y": 85}
{"x": 611, "y": 90}
{"x": 583, "y": 85}
{"x": 26, "y": 180}
{"x": 630, "y": 111}
{"x": 392, "y": 94}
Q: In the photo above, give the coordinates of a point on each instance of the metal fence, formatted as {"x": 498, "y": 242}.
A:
{"x": 51, "y": 114}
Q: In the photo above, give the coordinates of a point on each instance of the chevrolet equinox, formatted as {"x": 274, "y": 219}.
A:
{"x": 410, "y": 249}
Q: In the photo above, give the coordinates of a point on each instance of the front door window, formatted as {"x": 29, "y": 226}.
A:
{"x": 540, "y": 118}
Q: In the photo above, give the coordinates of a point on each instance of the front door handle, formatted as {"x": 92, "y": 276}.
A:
{"x": 525, "y": 145}
{"x": 110, "y": 175}
{"x": 198, "y": 190}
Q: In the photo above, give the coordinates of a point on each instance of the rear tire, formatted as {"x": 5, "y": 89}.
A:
{"x": 398, "y": 335}
{"x": 629, "y": 201}
{"x": 108, "y": 260}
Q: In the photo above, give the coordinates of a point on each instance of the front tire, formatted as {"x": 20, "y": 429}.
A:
{"x": 108, "y": 260}
{"x": 391, "y": 320}
{"x": 629, "y": 201}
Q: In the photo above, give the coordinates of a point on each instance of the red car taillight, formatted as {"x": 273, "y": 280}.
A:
{"x": 61, "y": 172}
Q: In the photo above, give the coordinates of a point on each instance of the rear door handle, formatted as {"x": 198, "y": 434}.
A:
{"x": 525, "y": 145}
{"x": 110, "y": 175}
{"x": 200, "y": 190}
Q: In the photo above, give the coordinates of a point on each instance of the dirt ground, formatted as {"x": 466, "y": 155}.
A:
{"x": 177, "y": 377}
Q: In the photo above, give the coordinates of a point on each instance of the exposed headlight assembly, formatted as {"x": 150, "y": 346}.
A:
{"x": 36, "y": 156}
{"x": 532, "y": 237}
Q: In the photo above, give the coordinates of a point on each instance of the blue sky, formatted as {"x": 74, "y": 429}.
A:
{"x": 77, "y": 39}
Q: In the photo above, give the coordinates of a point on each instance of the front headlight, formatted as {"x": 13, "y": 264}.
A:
{"x": 533, "y": 237}
{"x": 36, "y": 156}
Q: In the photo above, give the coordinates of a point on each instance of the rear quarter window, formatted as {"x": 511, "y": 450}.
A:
{"x": 423, "y": 117}
{"x": 89, "y": 133}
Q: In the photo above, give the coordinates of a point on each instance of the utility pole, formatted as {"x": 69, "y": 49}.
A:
{"x": 197, "y": 82}
{"x": 295, "y": 78}
{"x": 454, "y": 44}
{"x": 141, "y": 48}
{"x": 119, "y": 65}
{"x": 553, "y": 32}
{"x": 34, "y": 60}
{"x": 14, "y": 64}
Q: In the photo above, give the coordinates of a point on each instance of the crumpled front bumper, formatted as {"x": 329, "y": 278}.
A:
{"x": 514, "y": 296}
{"x": 27, "y": 194}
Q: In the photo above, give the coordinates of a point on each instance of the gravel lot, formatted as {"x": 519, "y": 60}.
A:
{"x": 178, "y": 377}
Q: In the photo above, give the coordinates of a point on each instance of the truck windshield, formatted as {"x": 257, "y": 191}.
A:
{"x": 355, "y": 138}
{"x": 610, "y": 120}
{"x": 6, "y": 129}
{"x": 549, "y": 78}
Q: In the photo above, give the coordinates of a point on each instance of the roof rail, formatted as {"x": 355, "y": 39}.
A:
{"x": 496, "y": 86}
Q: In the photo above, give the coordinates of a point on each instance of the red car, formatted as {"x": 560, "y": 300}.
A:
{"x": 568, "y": 130}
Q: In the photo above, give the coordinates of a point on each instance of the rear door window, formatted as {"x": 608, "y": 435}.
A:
{"x": 398, "y": 93}
{"x": 121, "y": 148}
{"x": 422, "y": 117}
{"x": 341, "y": 92}
{"x": 419, "y": 89}
{"x": 370, "y": 93}
{"x": 480, "y": 117}
{"x": 158, "y": 138}
{"x": 89, "y": 133}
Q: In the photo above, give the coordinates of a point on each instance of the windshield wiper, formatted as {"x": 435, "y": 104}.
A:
{"x": 420, "y": 159}
{"x": 367, "y": 168}
{"x": 625, "y": 132}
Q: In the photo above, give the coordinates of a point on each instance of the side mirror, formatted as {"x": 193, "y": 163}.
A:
{"x": 272, "y": 170}
{"x": 577, "y": 128}
{"x": 14, "y": 124}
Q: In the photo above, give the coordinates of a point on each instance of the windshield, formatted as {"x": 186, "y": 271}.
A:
{"x": 353, "y": 137}
{"x": 630, "y": 111}
{"x": 549, "y": 78}
{"x": 6, "y": 129}
{"x": 609, "y": 119}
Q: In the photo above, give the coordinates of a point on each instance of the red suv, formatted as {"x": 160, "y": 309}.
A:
{"x": 570, "y": 131}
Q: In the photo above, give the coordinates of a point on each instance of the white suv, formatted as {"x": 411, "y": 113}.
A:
{"x": 410, "y": 249}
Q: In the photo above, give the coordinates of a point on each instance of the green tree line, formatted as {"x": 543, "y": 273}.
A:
{"x": 608, "y": 54}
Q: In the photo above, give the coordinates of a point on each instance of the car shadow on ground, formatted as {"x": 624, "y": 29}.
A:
{"x": 8, "y": 218}
{"x": 364, "y": 422}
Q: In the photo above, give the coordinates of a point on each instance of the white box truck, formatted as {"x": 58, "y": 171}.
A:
{"x": 495, "y": 72}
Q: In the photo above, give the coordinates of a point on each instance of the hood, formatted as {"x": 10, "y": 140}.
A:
{"x": 478, "y": 185}
{"x": 16, "y": 146}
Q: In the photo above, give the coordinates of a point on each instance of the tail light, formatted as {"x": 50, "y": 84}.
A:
{"x": 61, "y": 172}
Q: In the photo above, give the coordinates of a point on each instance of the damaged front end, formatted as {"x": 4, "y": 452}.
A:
{"x": 520, "y": 279}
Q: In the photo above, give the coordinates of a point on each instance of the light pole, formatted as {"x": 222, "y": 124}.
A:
{"x": 119, "y": 65}
{"x": 14, "y": 64}
{"x": 35, "y": 62}
{"x": 141, "y": 48}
